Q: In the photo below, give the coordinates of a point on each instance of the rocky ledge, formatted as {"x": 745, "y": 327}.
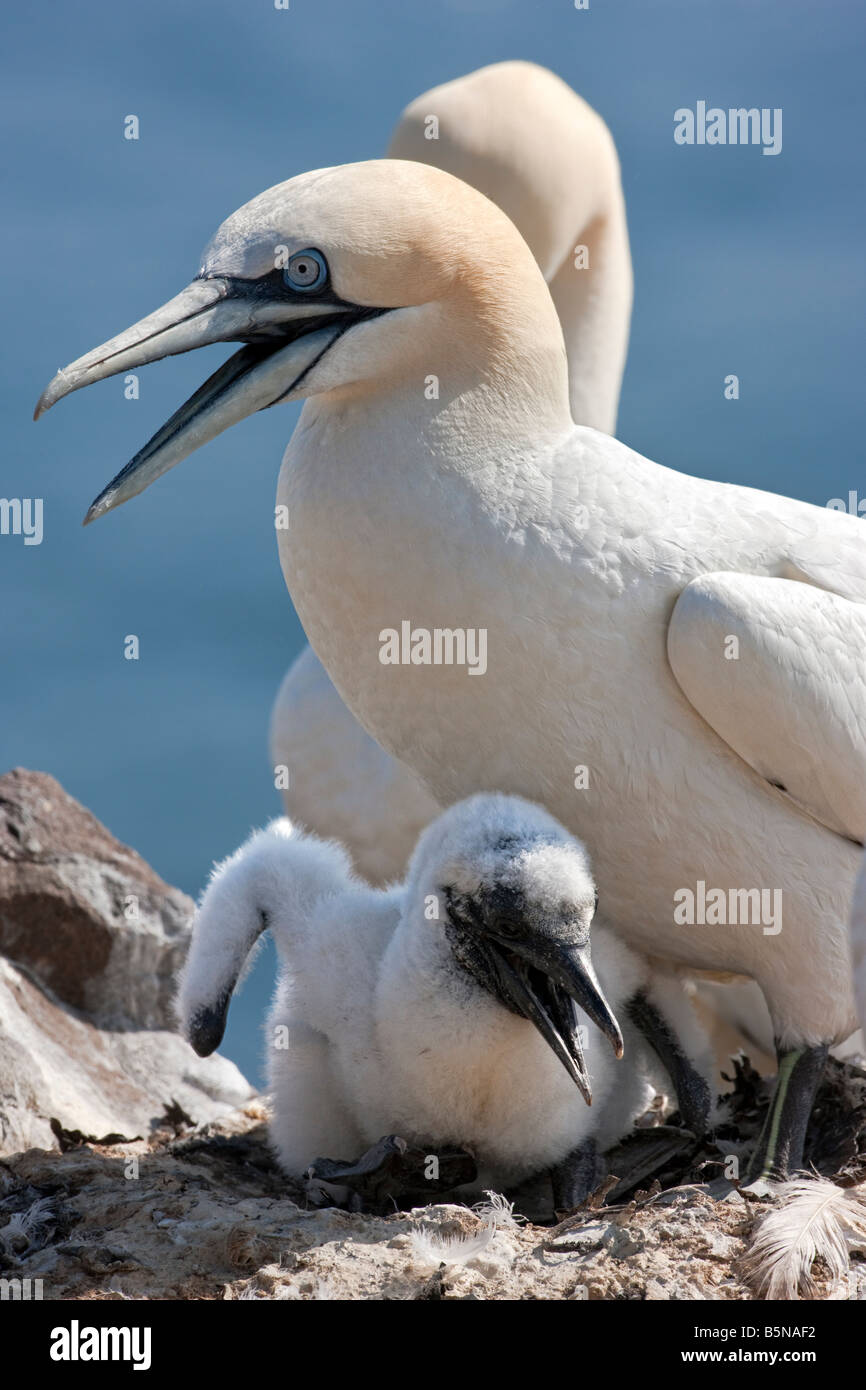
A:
{"x": 90, "y": 942}
{"x": 207, "y": 1215}
{"x": 134, "y": 1169}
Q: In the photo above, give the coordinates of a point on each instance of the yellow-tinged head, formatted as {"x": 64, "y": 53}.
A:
{"x": 339, "y": 281}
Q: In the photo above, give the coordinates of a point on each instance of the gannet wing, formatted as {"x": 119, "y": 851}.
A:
{"x": 822, "y": 546}
{"x": 778, "y": 669}
{"x": 843, "y": 574}
{"x": 833, "y": 557}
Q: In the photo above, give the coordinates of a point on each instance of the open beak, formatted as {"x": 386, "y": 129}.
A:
{"x": 285, "y": 338}
{"x": 544, "y": 983}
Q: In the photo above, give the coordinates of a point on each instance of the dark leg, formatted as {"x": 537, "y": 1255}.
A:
{"x": 692, "y": 1091}
{"x": 641, "y": 1156}
{"x": 576, "y": 1176}
{"x": 779, "y": 1150}
{"x": 389, "y": 1172}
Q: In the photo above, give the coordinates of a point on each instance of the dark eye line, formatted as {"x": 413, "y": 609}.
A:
{"x": 460, "y": 908}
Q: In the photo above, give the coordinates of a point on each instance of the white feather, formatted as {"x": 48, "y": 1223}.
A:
{"x": 818, "y": 1220}
{"x": 499, "y": 1211}
{"x": 496, "y": 1214}
{"x": 432, "y": 1249}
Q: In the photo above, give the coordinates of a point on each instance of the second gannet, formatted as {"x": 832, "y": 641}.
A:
{"x": 441, "y": 1009}
{"x": 523, "y": 138}
{"x": 858, "y": 942}
{"x": 606, "y": 587}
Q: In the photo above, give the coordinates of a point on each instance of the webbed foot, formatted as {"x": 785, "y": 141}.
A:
{"x": 391, "y": 1173}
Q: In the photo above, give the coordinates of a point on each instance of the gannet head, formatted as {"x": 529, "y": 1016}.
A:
{"x": 335, "y": 281}
{"x": 518, "y": 900}
{"x": 547, "y": 173}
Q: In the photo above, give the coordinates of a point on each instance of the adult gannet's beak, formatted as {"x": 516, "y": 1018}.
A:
{"x": 286, "y": 335}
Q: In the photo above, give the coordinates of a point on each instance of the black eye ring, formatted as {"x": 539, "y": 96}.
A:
{"x": 306, "y": 271}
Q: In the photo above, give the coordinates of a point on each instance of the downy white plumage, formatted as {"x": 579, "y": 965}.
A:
{"x": 440, "y": 1008}
{"x": 525, "y": 140}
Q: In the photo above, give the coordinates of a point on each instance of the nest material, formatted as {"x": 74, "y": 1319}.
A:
{"x": 670, "y": 1157}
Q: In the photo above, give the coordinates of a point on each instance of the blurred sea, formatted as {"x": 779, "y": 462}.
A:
{"x": 743, "y": 263}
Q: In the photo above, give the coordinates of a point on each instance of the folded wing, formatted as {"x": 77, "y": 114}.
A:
{"x": 778, "y": 669}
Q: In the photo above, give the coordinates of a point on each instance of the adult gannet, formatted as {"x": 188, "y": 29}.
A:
{"x": 521, "y": 136}
{"x": 609, "y": 588}
{"x": 858, "y": 942}
{"x": 441, "y": 1008}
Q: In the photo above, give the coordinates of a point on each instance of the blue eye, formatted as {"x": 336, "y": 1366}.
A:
{"x": 306, "y": 270}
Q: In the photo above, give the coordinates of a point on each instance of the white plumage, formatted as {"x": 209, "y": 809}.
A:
{"x": 486, "y": 508}
{"x": 389, "y": 1029}
{"x": 742, "y": 647}
{"x": 489, "y": 508}
{"x": 341, "y": 783}
{"x": 816, "y": 1221}
{"x": 525, "y": 140}
{"x": 858, "y": 941}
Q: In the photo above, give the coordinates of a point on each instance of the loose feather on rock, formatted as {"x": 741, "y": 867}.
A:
{"x": 817, "y": 1220}
{"x": 496, "y": 1215}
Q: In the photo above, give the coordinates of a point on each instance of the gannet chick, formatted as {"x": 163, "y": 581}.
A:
{"x": 524, "y": 139}
{"x": 460, "y": 1007}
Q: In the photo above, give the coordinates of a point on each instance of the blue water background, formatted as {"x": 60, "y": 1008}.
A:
{"x": 743, "y": 263}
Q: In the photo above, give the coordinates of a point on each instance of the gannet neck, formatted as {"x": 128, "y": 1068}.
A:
{"x": 594, "y": 307}
{"x": 491, "y": 403}
{"x": 495, "y": 129}
{"x": 557, "y": 177}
